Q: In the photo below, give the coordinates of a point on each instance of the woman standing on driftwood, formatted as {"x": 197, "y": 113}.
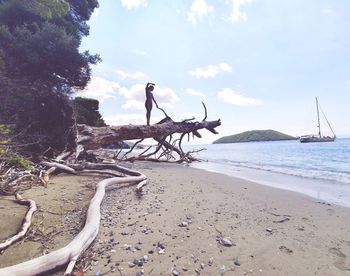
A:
{"x": 149, "y": 100}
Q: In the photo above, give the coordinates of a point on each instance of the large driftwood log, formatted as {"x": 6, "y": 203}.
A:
{"x": 94, "y": 137}
{"x": 71, "y": 252}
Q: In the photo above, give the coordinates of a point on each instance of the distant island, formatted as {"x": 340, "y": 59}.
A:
{"x": 255, "y": 136}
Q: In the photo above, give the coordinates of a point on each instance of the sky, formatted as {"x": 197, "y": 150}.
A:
{"x": 256, "y": 64}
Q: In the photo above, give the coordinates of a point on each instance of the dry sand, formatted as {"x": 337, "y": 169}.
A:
{"x": 178, "y": 222}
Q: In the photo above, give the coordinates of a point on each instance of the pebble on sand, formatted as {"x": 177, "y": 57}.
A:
{"x": 226, "y": 242}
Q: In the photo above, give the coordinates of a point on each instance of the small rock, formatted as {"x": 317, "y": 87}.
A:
{"x": 269, "y": 230}
{"x": 237, "y": 262}
{"x": 223, "y": 270}
{"x": 285, "y": 249}
{"x": 175, "y": 273}
{"x": 145, "y": 258}
{"x": 210, "y": 262}
{"x": 161, "y": 251}
{"x": 130, "y": 264}
{"x": 127, "y": 246}
{"x": 226, "y": 242}
{"x": 185, "y": 268}
{"x": 202, "y": 266}
{"x": 137, "y": 247}
{"x": 183, "y": 224}
{"x": 160, "y": 245}
{"x": 139, "y": 262}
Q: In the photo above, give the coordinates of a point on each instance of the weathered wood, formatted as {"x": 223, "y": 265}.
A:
{"x": 94, "y": 137}
{"x": 82, "y": 241}
{"x": 25, "y": 224}
{"x": 59, "y": 166}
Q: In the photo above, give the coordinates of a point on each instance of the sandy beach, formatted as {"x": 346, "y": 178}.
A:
{"x": 187, "y": 222}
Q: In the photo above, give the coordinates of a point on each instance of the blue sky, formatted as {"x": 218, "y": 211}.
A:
{"x": 257, "y": 64}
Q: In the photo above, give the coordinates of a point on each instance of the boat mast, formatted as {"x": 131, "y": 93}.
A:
{"x": 318, "y": 119}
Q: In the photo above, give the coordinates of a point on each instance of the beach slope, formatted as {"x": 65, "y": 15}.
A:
{"x": 185, "y": 221}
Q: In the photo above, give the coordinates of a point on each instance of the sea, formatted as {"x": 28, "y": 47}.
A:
{"x": 319, "y": 170}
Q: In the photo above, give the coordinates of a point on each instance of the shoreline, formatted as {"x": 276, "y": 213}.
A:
{"x": 324, "y": 190}
{"x": 180, "y": 219}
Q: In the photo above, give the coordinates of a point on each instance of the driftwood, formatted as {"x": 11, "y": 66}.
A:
{"x": 25, "y": 224}
{"x": 92, "y": 138}
{"x": 71, "y": 252}
{"x": 95, "y": 137}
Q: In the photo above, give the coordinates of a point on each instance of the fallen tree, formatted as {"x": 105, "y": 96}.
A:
{"x": 92, "y": 138}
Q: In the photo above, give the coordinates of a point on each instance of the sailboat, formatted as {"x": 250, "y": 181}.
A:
{"x": 319, "y": 137}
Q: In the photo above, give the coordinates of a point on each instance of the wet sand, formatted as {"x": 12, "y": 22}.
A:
{"x": 180, "y": 223}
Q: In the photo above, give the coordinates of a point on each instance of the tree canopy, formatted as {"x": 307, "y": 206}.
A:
{"x": 40, "y": 39}
{"x": 40, "y": 65}
{"x": 87, "y": 112}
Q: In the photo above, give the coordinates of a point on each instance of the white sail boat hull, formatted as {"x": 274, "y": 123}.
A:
{"x": 319, "y": 137}
{"x": 312, "y": 139}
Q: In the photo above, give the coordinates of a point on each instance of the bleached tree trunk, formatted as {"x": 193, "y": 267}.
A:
{"x": 95, "y": 137}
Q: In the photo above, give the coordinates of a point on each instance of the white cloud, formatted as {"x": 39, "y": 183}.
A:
{"x": 133, "y": 4}
{"x": 165, "y": 95}
{"x": 100, "y": 89}
{"x": 231, "y": 97}
{"x": 211, "y": 70}
{"x": 135, "y": 92}
{"x": 199, "y": 9}
{"x": 134, "y": 75}
{"x": 133, "y": 104}
{"x": 236, "y": 14}
{"x": 126, "y": 119}
{"x": 194, "y": 92}
{"x": 139, "y": 52}
{"x": 135, "y": 96}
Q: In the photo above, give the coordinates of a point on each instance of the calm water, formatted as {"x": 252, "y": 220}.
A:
{"x": 320, "y": 170}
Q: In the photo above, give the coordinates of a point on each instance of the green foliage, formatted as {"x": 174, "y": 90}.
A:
{"x": 4, "y": 131}
{"x": 254, "y": 136}
{"x": 19, "y": 162}
{"x": 47, "y": 54}
{"x": 18, "y": 12}
{"x": 13, "y": 160}
{"x": 87, "y": 112}
{"x": 40, "y": 39}
{"x": 40, "y": 63}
